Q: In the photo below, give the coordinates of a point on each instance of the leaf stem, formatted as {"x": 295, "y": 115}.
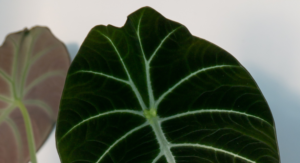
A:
{"x": 29, "y": 132}
{"x": 161, "y": 138}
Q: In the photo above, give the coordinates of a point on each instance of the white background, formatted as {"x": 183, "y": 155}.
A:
{"x": 263, "y": 35}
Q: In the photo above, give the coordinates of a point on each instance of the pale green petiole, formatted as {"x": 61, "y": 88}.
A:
{"x": 29, "y": 132}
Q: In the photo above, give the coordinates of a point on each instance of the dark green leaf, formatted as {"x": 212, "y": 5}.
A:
{"x": 33, "y": 68}
{"x": 151, "y": 92}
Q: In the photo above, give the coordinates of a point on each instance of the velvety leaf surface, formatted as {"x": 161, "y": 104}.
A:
{"x": 150, "y": 92}
{"x": 33, "y": 68}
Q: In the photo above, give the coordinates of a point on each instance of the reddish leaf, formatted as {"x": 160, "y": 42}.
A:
{"x": 33, "y": 68}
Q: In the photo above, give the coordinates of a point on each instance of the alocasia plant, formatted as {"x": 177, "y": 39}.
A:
{"x": 33, "y": 67}
{"x": 151, "y": 92}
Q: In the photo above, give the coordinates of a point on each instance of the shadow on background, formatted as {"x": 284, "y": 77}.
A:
{"x": 73, "y": 49}
{"x": 285, "y": 107}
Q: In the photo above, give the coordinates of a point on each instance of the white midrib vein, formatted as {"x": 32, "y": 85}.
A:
{"x": 156, "y": 126}
{"x": 147, "y": 66}
{"x": 155, "y": 122}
